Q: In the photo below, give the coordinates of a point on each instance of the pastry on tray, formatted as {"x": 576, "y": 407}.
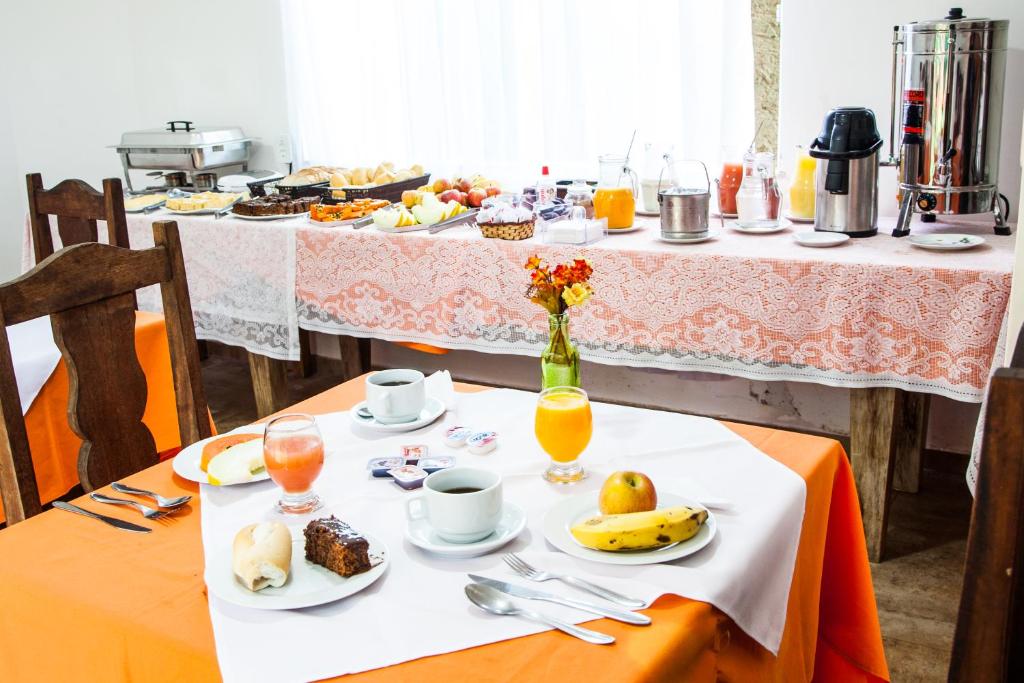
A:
{"x": 357, "y": 208}
{"x": 273, "y": 205}
{"x": 333, "y": 544}
{"x": 262, "y": 555}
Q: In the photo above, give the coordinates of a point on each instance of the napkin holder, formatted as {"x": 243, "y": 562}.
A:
{"x": 575, "y": 229}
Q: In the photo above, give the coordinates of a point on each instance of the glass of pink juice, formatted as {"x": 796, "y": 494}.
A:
{"x": 293, "y": 452}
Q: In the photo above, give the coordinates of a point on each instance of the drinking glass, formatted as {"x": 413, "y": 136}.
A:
{"x": 563, "y": 426}
{"x": 293, "y": 451}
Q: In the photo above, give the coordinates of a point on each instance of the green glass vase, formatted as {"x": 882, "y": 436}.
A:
{"x": 560, "y": 361}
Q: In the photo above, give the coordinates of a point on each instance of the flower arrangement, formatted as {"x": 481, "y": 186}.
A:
{"x": 558, "y": 288}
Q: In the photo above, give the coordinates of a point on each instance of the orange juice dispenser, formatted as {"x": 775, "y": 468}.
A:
{"x": 615, "y": 197}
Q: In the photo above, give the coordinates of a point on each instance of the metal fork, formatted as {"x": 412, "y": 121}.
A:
{"x": 147, "y": 512}
{"x": 160, "y": 500}
{"x": 528, "y": 571}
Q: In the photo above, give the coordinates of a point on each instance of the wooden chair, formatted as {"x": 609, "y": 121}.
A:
{"x": 77, "y": 207}
{"x": 88, "y": 291}
{"x": 989, "y": 641}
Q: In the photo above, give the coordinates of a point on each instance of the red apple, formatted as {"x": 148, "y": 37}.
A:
{"x": 624, "y": 492}
{"x": 493, "y": 191}
{"x": 477, "y": 196}
{"x": 448, "y": 195}
{"x": 441, "y": 184}
{"x": 463, "y": 199}
{"x": 463, "y": 184}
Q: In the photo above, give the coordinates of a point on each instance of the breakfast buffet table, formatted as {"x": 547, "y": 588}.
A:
{"x": 891, "y": 322}
{"x": 135, "y": 606}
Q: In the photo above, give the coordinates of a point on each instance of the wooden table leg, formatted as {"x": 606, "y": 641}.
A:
{"x": 872, "y": 413}
{"x": 909, "y": 433}
{"x": 269, "y": 384}
{"x": 355, "y": 356}
{"x": 307, "y": 359}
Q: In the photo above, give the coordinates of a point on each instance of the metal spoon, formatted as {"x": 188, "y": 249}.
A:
{"x": 160, "y": 500}
{"x": 490, "y": 600}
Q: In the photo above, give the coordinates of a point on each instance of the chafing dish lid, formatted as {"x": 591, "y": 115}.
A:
{"x": 182, "y": 134}
{"x": 956, "y": 20}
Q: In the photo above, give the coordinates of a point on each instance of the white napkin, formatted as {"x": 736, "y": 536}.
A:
{"x": 439, "y": 385}
{"x": 418, "y": 607}
{"x": 35, "y": 357}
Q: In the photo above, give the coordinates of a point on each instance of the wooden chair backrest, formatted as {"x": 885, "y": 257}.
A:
{"x": 88, "y": 290}
{"x": 989, "y": 641}
{"x": 77, "y": 207}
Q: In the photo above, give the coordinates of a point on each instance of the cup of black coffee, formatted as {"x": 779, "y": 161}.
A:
{"x": 462, "y": 504}
{"x": 394, "y": 396}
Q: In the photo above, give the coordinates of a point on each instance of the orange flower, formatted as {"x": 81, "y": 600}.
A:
{"x": 561, "y": 276}
{"x": 532, "y": 263}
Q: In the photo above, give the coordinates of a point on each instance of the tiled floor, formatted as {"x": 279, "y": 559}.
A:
{"x": 917, "y": 587}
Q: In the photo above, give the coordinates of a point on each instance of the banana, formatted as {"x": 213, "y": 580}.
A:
{"x": 640, "y": 530}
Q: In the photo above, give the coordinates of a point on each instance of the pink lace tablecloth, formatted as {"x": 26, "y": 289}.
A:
{"x": 873, "y": 312}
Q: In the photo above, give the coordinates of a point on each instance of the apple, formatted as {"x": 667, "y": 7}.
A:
{"x": 448, "y": 195}
{"x": 493, "y": 191}
{"x": 624, "y": 492}
{"x": 441, "y": 184}
{"x": 463, "y": 199}
{"x": 477, "y": 196}
{"x": 411, "y": 198}
{"x": 463, "y": 184}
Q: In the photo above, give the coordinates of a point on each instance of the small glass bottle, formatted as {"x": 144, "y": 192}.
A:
{"x": 546, "y": 190}
{"x": 580, "y": 194}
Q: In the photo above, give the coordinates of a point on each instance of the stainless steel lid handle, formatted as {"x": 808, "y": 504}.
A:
{"x": 186, "y": 126}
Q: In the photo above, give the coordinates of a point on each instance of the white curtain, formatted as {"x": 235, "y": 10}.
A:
{"x": 502, "y": 87}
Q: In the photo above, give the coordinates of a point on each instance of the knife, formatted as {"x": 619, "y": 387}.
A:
{"x": 530, "y": 594}
{"x": 112, "y": 521}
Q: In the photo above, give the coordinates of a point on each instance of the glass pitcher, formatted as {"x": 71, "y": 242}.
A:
{"x": 801, "y": 192}
{"x": 615, "y": 197}
{"x": 758, "y": 199}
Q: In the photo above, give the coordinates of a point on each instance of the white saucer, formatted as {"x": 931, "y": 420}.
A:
{"x": 186, "y": 462}
{"x": 782, "y": 225}
{"x": 622, "y": 231}
{"x": 433, "y": 409}
{"x": 645, "y": 212}
{"x": 946, "y": 242}
{"x": 813, "y": 238}
{"x": 712, "y": 234}
{"x": 308, "y": 584}
{"x": 512, "y": 522}
{"x": 571, "y": 510}
{"x": 797, "y": 219}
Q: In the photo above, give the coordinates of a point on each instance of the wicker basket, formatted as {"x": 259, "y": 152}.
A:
{"x": 508, "y": 231}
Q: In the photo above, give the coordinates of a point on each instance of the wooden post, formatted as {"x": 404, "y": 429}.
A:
{"x": 909, "y": 433}
{"x": 269, "y": 384}
{"x": 872, "y": 415}
{"x": 355, "y": 356}
{"x": 307, "y": 360}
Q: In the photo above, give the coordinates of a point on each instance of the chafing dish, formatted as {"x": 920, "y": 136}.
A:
{"x": 182, "y": 146}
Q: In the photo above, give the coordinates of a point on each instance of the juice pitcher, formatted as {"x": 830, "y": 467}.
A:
{"x": 615, "y": 197}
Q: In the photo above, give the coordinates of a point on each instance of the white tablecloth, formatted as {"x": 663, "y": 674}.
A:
{"x": 418, "y": 607}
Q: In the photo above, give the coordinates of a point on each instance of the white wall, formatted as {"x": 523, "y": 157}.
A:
{"x": 78, "y": 74}
{"x": 840, "y": 54}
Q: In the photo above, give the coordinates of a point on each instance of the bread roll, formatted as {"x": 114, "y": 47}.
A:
{"x": 262, "y": 555}
{"x": 358, "y": 176}
{"x": 340, "y": 180}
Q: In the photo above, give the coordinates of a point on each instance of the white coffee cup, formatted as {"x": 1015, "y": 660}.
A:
{"x": 394, "y": 396}
{"x": 459, "y": 517}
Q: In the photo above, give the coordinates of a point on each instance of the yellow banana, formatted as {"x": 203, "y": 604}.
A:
{"x": 640, "y": 530}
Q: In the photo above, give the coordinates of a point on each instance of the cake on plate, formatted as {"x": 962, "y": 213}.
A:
{"x": 333, "y": 544}
{"x": 274, "y": 205}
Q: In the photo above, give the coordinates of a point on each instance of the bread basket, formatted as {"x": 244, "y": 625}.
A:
{"x": 508, "y": 231}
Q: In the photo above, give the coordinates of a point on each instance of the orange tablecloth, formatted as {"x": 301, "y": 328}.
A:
{"x": 55, "y": 447}
{"x": 122, "y": 607}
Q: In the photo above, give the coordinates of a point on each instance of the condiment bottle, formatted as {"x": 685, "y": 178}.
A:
{"x": 546, "y": 190}
{"x": 579, "y": 194}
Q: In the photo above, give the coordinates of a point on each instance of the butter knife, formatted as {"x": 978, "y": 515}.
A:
{"x": 624, "y": 616}
{"x": 112, "y": 521}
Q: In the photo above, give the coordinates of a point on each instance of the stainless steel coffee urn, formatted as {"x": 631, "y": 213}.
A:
{"x": 947, "y": 96}
{"x": 846, "y": 177}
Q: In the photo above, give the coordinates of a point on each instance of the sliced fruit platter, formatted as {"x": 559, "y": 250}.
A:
{"x": 428, "y": 212}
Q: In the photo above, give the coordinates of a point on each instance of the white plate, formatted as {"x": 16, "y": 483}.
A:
{"x": 408, "y": 228}
{"x": 571, "y": 510}
{"x": 783, "y": 225}
{"x": 712, "y": 234}
{"x": 186, "y": 462}
{"x": 347, "y": 221}
{"x": 717, "y": 214}
{"x": 275, "y": 217}
{"x": 147, "y": 207}
{"x": 813, "y": 238}
{"x": 622, "y": 231}
{"x": 645, "y": 212}
{"x": 194, "y": 212}
{"x": 308, "y": 584}
{"x": 797, "y": 219}
{"x": 512, "y": 522}
{"x": 947, "y": 242}
{"x": 431, "y": 411}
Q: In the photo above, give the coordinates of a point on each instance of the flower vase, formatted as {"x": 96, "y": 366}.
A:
{"x": 560, "y": 361}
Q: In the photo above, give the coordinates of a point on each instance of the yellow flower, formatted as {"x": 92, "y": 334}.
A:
{"x": 576, "y": 294}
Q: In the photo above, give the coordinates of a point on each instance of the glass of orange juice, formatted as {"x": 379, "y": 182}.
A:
{"x": 293, "y": 451}
{"x": 563, "y": 426}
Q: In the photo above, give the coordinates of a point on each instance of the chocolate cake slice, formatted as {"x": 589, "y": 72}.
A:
{"x": 333, "y": 544}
